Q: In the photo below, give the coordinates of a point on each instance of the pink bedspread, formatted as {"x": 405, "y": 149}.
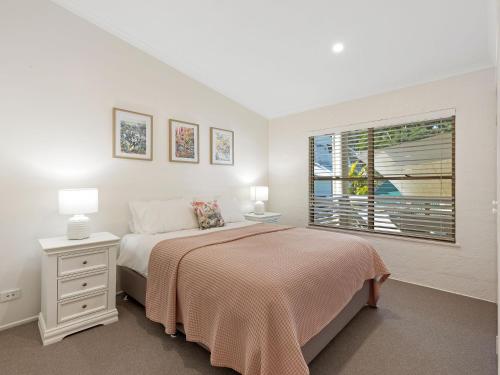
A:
{"x": 255, "y": 295}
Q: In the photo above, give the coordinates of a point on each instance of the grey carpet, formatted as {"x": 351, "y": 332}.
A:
{"x": 416, "y": 330}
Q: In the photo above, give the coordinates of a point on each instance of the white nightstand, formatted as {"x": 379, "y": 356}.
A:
{"x": 266, "y": 217}
{"x": 78, "y": 285}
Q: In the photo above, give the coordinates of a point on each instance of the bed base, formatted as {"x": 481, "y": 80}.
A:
{"x": 134, "y": 285}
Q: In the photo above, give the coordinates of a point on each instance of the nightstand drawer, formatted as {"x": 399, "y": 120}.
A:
{"x": 76, "y": 286}
{"x": 76, "y": 308}
{"x": 75, "y": 263}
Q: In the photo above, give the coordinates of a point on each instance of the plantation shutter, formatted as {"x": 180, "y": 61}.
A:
{"x": 397, "y": 180}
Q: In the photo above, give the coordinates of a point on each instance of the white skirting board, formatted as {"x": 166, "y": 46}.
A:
{"x": 33, "y": 318}
{"x": 29, "y": 319}
{"x": 19, "y": 322}
{"x": 441, "y": 290}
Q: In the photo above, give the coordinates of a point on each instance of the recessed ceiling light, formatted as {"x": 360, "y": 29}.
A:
{"x": 337, "y": 47}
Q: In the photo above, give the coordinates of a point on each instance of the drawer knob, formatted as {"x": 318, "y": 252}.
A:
{"x": 84, "y": 306}
{"x": 84, "y": 284}
{"x": 84, "y": 262}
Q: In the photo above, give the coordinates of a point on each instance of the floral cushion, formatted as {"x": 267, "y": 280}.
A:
{"x": 208, "y": 214}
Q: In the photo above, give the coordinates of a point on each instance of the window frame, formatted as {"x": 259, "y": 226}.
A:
{"x": 371, "y": 179}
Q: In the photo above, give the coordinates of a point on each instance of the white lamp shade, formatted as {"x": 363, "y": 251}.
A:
{"x": 259, "y": 193}
{"x": 78, "y": 201}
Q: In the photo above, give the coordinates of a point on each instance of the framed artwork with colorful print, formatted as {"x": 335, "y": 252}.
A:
{"x": 221, "y": 146}
{"x": 184, "y": 141}
{"x": 132, "y": 135}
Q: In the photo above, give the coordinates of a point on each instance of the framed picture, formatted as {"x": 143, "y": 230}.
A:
{"x": 184, "y": 142}
{"x": 221, "y": 146}
{"x": 132, "y": 135}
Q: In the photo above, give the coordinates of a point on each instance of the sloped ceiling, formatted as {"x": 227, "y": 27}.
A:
{"x": 275, "y": 57}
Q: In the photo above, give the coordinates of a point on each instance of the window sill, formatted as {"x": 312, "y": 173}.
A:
{"x": 386, "y": 237}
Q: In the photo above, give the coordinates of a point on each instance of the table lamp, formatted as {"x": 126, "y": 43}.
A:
{"x": 78, "y": 202}
{"x": 259, "y": 194}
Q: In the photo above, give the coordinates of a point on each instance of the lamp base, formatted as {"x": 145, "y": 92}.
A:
{"x": 259, "y": 208}
{"x": 78, "y": 227}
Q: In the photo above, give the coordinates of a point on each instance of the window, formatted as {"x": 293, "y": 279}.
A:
{"x": 397, "y": 180}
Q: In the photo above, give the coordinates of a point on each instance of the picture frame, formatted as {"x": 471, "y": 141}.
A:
{"x": 132, "y": 135}
{"x": 221, "y": 146}
{"x": 184, "y": 141}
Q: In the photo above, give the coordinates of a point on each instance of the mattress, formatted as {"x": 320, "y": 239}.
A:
{"x": 136, "y": 248}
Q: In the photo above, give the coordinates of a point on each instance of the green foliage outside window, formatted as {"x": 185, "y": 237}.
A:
{"x": 358, "y": 187}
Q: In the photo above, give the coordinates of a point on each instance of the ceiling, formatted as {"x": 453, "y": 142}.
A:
{"x": 275, "y": 57}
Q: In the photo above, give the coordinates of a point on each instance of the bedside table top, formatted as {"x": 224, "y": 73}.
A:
{"x": 264, "y": 215}
{"x": 63, "y": 242}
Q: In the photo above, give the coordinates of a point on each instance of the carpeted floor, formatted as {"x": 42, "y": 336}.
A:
{"x": 415, "y": 330}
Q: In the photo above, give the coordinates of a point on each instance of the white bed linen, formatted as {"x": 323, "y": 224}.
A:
{"x": 136, "y": 248}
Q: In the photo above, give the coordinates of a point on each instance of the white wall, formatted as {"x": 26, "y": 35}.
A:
{"x": 468, "y": 269}
{"x": 59, "y": 79}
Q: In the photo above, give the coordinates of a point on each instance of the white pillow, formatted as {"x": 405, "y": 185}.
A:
{"x": 142, "y": 216}
{"x": 162, "y": 216}
{"x": 230, "y": 208}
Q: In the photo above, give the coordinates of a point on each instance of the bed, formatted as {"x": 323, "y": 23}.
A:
{"x": 186, "y": 278}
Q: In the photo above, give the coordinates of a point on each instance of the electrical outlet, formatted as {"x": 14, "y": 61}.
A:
{"x": 10, "y": 295}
